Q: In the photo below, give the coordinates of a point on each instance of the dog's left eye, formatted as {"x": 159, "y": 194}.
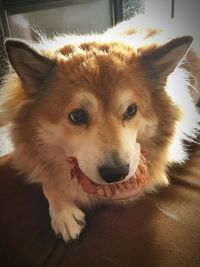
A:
{"x": 130, "y": 112}
{"x": 79, "y": 117}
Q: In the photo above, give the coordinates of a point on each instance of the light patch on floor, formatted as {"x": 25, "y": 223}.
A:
{"x": 5, "y": 143}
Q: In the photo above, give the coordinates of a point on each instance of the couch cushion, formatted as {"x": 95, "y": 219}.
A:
{"x": 162, "y": 229}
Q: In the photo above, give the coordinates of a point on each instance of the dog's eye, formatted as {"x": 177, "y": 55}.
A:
{"x": 79, "y": 116}
{"x": 130, "y": 112}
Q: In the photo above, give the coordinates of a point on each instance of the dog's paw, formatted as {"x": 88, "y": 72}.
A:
{"x": 68, "y": 223}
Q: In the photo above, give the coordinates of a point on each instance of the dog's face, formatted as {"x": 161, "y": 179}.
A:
{"x": 103, "y": 135}
{"x": 100, "y": 104}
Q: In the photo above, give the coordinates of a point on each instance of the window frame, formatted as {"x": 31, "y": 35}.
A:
{"x": 20, "y": 6}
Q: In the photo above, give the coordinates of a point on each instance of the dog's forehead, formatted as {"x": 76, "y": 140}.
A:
{"x": 86, "y": 99}
{"x": 123, "y": 97}
{"x": 91, "y": 100}
{"x": 98, "y": 66}
{"x": 101, "y": 75}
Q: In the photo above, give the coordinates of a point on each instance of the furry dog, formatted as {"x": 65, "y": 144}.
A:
{"x": 101, "y": 117}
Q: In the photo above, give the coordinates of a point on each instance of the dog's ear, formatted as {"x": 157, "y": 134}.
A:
{"x": 33, "y": 68}
{"x": 164, "y": 59}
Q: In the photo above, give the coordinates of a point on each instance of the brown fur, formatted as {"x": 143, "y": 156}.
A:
{"x": 104, "y": 72}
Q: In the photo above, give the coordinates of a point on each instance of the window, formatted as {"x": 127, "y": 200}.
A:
{"x": 23, "y": 19}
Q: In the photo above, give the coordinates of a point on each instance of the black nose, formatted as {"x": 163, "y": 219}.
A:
{"x": 114, "y": 174}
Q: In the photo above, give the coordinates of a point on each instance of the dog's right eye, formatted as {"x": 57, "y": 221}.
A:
{"x": 79, "y": 117}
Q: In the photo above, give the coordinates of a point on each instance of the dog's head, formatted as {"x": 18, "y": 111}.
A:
{"x": 100, "y": 103}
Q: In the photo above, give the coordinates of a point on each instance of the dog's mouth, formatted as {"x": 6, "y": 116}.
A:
{"x": 118, "y": 190}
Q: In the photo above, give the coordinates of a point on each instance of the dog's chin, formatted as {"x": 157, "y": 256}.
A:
{"x": 126, "y": 189}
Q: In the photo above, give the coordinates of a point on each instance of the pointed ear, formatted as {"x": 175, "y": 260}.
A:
{"x": 33, "y": 68}
{"x": 164, "y": 59}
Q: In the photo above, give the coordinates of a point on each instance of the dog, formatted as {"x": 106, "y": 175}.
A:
{"x": 100, "y": 118}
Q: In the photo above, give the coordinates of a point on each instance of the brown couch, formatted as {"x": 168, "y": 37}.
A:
{"x": 159, "y": 230}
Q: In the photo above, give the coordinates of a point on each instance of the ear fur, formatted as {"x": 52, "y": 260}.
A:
{"x": 164, "y": 59}
{"x": 31, "y": 67}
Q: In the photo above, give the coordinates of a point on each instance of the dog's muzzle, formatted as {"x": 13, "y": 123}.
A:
{"x": 118, "y": 190}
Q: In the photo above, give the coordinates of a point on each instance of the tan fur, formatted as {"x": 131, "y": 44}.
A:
{"x": 104, "y": 76}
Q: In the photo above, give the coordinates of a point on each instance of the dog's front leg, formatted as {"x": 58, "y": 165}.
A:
{"x": 67, "y": 219}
